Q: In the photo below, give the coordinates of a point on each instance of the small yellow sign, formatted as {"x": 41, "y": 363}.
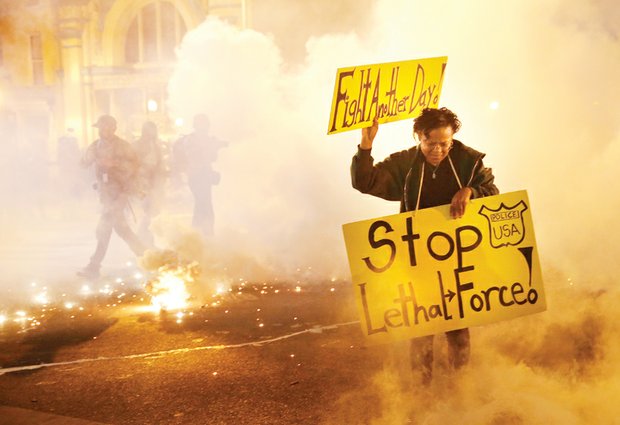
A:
{"x": 389, "y": 91}
{"x": 422, "y": 272}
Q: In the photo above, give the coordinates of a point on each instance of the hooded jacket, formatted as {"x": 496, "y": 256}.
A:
{"x": 398, "y": 177}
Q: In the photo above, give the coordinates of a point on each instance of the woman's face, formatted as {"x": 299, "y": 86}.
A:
{"x": 436, "y": 146}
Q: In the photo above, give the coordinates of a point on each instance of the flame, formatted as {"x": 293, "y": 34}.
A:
{"x": 168, "y": 290}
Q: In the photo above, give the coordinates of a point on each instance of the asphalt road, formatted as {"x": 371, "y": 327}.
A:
{"x": 264, "y": 355}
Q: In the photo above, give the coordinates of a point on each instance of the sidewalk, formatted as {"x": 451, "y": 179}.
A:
{"x": 18, "y": 416}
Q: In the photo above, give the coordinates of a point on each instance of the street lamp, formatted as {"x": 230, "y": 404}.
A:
{"x": 151, "y": 105}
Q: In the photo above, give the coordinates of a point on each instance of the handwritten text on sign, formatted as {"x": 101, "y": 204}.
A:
{"x": 421, "y": 273}
{"x": 390, "y": 91}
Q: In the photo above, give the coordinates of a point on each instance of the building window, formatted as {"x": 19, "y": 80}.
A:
{"x": 154, "y": 33}
{"x": 36, "y": 57}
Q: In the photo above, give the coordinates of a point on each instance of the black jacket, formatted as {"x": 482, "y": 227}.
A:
{"x": 397, "y": 178}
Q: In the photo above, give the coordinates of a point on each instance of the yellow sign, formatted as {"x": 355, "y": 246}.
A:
{"x": 389, "y": 91}
{"x": 422, "y": 272}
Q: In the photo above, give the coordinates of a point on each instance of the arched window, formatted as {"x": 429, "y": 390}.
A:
{"x": 154, "y": 33}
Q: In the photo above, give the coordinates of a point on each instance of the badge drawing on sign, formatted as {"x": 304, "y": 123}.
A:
{"x": 505, "y": 224}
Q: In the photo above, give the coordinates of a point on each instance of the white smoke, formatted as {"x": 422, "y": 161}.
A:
{"x": 551, "y": 66}
{"x": 535, "y": 85}
{"x": 285, "y": 186}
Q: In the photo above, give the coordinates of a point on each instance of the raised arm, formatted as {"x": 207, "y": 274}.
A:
{"x": 385, "y": 179}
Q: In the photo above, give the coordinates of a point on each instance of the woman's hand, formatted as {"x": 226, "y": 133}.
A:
{"x": 368, "y": 135}
{"x": 460, "y": 201}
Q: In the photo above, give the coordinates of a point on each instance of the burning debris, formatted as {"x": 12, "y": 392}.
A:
{"x": 169, "y": 289}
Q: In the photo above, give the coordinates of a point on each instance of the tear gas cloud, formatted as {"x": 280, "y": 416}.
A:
{"x": 535, "y": 86}
{"x": 547, "y": 70}
{"x": 532, "y": 84}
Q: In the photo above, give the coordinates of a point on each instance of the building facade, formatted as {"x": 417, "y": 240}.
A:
{"x": 65, "y": 62}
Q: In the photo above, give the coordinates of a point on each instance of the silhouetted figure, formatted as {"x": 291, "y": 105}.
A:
{"x": 195, "y": 154}
{"x": 151, "y": 176}
{"x": 116, "y": 167}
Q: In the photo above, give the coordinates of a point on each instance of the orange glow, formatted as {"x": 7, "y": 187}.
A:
{"x": 168, "y": 290}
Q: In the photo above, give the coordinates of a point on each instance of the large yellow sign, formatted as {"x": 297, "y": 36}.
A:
{"x": 421, "y": 273}
{"x": 389, "y": 91}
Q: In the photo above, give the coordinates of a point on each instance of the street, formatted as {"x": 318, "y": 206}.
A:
{"x": 276, "y": 358}
{"x": 293, "y": 353}
{"x": 280, "y": 351}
